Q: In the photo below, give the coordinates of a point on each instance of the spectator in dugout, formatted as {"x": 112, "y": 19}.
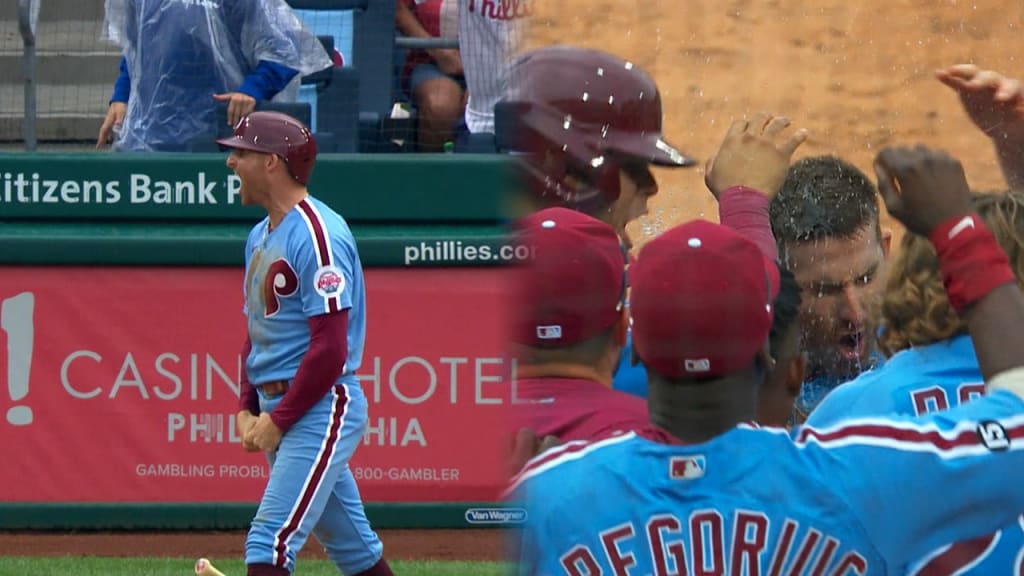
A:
{"x": 433, "y": 78}
{"x": 181, "y": 59}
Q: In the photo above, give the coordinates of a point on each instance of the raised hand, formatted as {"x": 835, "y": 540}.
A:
{"x": 922, "y": 188}
{"x": 993, "y": 102}
{"x": 755, "y": 153}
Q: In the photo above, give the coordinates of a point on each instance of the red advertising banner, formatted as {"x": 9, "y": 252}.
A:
{"x": 121, "y": 385}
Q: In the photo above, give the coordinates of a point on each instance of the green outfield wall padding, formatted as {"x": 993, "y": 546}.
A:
{"x": 208, "y": 244}
{"x": 392, "y": 188}
{"x": 230, "y": 516}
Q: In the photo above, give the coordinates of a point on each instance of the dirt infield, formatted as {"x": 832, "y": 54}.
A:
{"x": 468, "y": 545}
{"x": 858, "y": 75}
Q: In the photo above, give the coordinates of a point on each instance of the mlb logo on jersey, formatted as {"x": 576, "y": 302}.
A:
{"x": 329, "y": 281}
{"x": 549, "y": 332}
{"x": 687, "y": 467}
{"x": 697, "y": 365}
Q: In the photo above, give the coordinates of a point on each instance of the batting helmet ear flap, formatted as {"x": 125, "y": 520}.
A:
{"x": 576, "y": 173}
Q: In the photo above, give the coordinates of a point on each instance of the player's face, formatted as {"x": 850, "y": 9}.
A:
{"x": 841, "y": 281}
{"x": 636, "y": 186}
{"x": 249, "y": 168}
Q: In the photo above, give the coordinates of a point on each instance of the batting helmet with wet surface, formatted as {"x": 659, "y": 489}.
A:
{"x": 279, "y": 134}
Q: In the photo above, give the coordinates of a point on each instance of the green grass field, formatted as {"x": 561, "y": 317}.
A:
{"x": 89, "y": 566}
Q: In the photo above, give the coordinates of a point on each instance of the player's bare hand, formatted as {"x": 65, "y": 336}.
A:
{"x": 755, "y": 153}
{"x": 114, "y": 119}
{"x": 922, "y": 188}
{"x": 238, "y": 105}
{"x": 993, "y": 102}
{"x": 264, "y": 434}
{"x": 244, "y": 421}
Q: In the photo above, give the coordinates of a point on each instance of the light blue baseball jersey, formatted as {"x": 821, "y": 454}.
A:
{"x": 864, "y": 497}
{"x": 918, "y": 381}
{"x": 305, "y": 267}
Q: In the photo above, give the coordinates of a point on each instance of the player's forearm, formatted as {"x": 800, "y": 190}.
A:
{"x": 320, "y": 369}
{"x": 1011, "y": 162}
{"x": 745, "y": 210}
{"x": 996, "y": 324}
{"x": 248, "y": 399}
{"x": 982, "y": 288}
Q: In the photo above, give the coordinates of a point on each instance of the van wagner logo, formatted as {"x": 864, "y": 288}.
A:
{"x": 495, "y": 516}
{"x": 16, "y": 322}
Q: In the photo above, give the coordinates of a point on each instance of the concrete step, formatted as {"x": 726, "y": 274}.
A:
{"x": 57, "y": 38}
{"x": 51, "y": 129}
{"x": 68, "y": 69}
{"x": 67, "y": 52}
{"x": 63, "y": 112}
{"x": 51, "y": 10}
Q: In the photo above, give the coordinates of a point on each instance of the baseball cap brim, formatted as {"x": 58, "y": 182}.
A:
{"x": 653, "y": 148}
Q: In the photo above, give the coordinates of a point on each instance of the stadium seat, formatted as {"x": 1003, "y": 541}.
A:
{"x": 506, "y": 121}
{"x": 373, "y": 49}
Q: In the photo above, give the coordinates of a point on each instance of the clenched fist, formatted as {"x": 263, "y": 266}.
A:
{"x": 922, "y": 188}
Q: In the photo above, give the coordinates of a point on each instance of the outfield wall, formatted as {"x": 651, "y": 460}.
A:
{"x": 120, "y": 306}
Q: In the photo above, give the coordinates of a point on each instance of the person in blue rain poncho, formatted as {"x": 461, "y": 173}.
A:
{"x": 182, "y": 58}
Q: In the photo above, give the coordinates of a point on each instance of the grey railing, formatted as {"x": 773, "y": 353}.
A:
{"x": 425, "y": 43}
{"x": 28, "y": 16}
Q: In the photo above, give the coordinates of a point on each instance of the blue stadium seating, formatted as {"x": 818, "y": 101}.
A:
{"x": 373, "y": 54}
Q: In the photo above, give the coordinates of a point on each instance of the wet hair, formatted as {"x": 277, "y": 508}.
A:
{"x": 786, "y": 311}
{"x": 915, "y": 308}
{"x": 823, "y": 197}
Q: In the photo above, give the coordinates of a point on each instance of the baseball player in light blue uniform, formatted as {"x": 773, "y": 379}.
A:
{"x": 925, "y": 379}
{"x": 722, "y": 495}
{"x": 920, "y": 381}
{"x": 859, "y": 498}
{"x": 305, "y": 303}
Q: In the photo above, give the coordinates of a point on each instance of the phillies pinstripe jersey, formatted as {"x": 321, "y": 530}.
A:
{"x": 306, "y": 266}
{"x": 862, "y": 497}
{"x": 918, "y": 381}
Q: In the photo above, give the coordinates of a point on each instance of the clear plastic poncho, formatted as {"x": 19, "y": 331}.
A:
{"x": 181, "y": 52}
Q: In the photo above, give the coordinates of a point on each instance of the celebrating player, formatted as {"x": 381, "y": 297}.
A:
{"x": 300, "y": 400}
{"x": 826, "y": 221}
{"x": 569, "y": 328}
{"x": 933, "y": 367}
{"x": 706, "y": 491}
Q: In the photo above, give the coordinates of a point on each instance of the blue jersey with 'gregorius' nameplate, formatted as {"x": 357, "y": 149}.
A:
{"x": 863, "y": 497}
{"x": 306, "y": 266}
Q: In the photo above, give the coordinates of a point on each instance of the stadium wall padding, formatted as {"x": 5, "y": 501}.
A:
{"x": 183, "y": 210}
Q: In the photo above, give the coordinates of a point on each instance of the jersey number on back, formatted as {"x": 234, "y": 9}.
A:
{"x": 280, "y": 282}
{"x": 935, "y": 399}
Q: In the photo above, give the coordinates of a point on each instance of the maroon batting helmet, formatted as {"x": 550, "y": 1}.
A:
{"x": 279, "y": 134}
{"x": 581, "y": 114}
